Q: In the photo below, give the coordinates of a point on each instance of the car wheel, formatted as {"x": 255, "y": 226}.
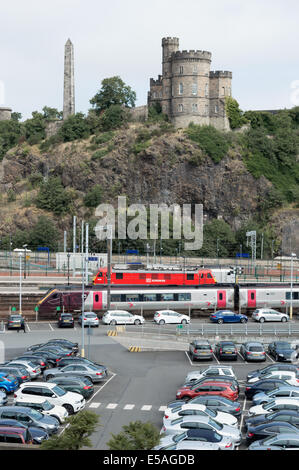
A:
{"x": 262, "y": 320}
{"x": 113, "y": 322}
{"x": 192, "y": 357}
{"x": 162, "y": 322}
{"x": 184, "y": 322}
{"x": 137, "y": 322}
{"x": 276, "y": 357}
{"x": 243, "y": 320}
{"x": 284, "y": 319}
{"x": 50, "y": 376}
{"x": 3, "y": 390}
{"x": 220, "y": 320}
{"x": 69, "y": 409}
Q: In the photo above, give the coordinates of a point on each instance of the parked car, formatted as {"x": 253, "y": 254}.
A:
{"x": 3, "y": 398}
{"x": 281, "y": 351}
{"x": 65, "y": 320}
{"x": 65, "y": 343}
{"x": 253, "y": 351}
{"x": 286, "y": 415}
{"x": 263, "y": 385}
{"x": 216, "y": 387}
{"x": 8, "y": 383}
{"x": 213, "y": 378}
{"x": 200, "y": 349}
{"x": 72, "y": 402}
{"x": 200, "y": 435}
{"x": 285, "y": 441}
{"x": 227, "y": 316}
{"x": 190, "y": 422}
{"x": 170, "y": 316}
{"x": 15, "y": 321}
{"x": 15, "y": 435}
{"x": 290, "y": 377}
{"x": 226, "y": 350}
{"x": 38, "y": 361}
{"x": 192, "y": 445}
{"x": 275, "y": 405}
{"x": 57, "y": 352}
{"x": 64, "y": 361}
{"x": 215, "y": 403}
{"x": 38, "y": 435}
{"x": 287, "y": 391}
{"x": 260, "y": 373}
{"x": 89, "y": 319}
{"x": 226, "y": 371}
{"x": 268, "y": 314}
{"x": 44, "y": 406}
{"x": 30, "y": 417}
{"x": 47, "y": 356}
{"x": 20, "y": 373}
{"x": 263, "y": 430}
{"x": 121, "y": 317}
{"x": 80, "y": 385}
{"x": 33, "y": 369}
{"x": 198, "y": 410}
{"x": 92, "y": 372}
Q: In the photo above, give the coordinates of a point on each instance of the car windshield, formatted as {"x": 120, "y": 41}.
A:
{"x": 176, "y": 409}
{"x": 215, "y": 424}
{"x": 269, "y": 405}
{"x": 47, "y": 405}
{"x": 180, "y": 437}
{"x": 92, "y": 367}
{"x": 90, "y": 315}
{"x": 35, "y": 414}
{"x": 272, "y": 392}
{"x": 256, "y": 348}
{"x": 284, "y": 345}
{"x": 210, "y": 412}
{"x": 59, "y": 391}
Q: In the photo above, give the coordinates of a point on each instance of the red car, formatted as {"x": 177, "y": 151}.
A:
{"x": 222, "y": 389}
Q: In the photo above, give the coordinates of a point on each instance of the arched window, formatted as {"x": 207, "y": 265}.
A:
{"x": 207, "y": 90}
{"x": 180, "y": 108}
{"x": 194, "y": 88}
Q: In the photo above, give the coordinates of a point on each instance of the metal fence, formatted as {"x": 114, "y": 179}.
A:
{"x": 260, "y": 329}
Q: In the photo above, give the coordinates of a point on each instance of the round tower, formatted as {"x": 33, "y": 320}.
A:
{"x": 169, "y": 47}
{"x": 5, "y": 114}
{"x": 190, "y": 87}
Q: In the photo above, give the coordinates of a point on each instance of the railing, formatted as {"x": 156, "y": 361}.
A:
{"x": 261, "y": 329}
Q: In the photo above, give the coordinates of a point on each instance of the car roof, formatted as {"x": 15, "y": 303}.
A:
{"x": 11, "y": 429}
{"x": 36, "y": 384}
{"x": 19, "y": 409}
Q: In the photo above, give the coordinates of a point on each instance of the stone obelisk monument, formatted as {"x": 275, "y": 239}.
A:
{"x": 69, "y": 84}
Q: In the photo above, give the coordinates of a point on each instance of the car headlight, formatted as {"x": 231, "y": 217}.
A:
{"x": 179, "y": 393}
{"x": 281, "y": 355}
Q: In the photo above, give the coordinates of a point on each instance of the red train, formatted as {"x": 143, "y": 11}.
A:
{"x": 158, "y": 277}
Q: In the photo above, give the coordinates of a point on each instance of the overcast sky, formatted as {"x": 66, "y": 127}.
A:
{"x": 257, "y": 40}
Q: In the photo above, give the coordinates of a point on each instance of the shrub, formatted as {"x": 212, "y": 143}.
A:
{"x": 213, "y": 142}
{"x": 74, "y": 127}
{"x": 53, "y": 196}
{"x": 114, "y": 117}
{"x": 93, "y": 197}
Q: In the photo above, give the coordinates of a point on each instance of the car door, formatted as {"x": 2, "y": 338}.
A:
{"x": 128, "y": 318}
{"x": 68, "y": 370}
{"x": 273, "y": 315}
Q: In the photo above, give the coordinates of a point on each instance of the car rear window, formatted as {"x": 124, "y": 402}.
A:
{"x": 203, "y": 346}
{"x": 256, "y": 348}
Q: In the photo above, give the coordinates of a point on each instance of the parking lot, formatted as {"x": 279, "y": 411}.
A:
{"x": 139, "y": 385}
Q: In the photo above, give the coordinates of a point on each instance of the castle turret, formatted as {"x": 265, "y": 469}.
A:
{"x": 220, "y": 88}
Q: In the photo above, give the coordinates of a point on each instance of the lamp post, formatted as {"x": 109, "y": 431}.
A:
{"x": 20, "y": 290}
{"x": 25, "y": 255}
{"x": 68, "y": 267}
{"x": 293, "y": 255}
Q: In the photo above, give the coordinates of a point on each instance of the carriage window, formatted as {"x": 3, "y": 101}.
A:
{"x": 167, "y": 276}
{"x": 149, "y": 297}
{"x": 100, "y": 274}
{"x": 96, "y": 297}
{"x": 155, "y": 276}
{"x": 142, "y": 276}
{"x": 167, "y": 297}
{"x": 190, "y": 277}
{"x": 252, "y": 295}
{"x": 220, "y": 296}
{"x": 209, "y": 276}
{"x": 132, "y": 297}
{"x": 184, "y": 296}
{"x": 119, "y": 276}
{"x": 116, "y": 298}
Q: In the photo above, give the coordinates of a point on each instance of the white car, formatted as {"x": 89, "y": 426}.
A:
{"x": 43, "y": 406}
{"x": 202, "y": 437}
{"x": 225, "y": 371}
{"x": 198, "y": 410}
{"x": 169, "y": 316}
{"x": 72, "y": 402}
{"x": 268, "y": 314}
{"x": 275, "y": 405}
{"x": 288, "y": 376}
{"x": 121, "y": 317}
{"x": 192, "y": 445}
{"x": 33, "y": 369}
{"x": 184, "y": 423}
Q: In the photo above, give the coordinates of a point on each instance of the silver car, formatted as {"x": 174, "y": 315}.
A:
{"x": 33, "y": 369}
{"x": 279, "y": 442}
{"x": 226, "y": 371}
{"x": 89, "y": 319}
{"x": 191, "y": 422}
{"x": 201, "y": 436}
{"x": 286, "y": 391}
{"x": 94, "y": 373}
{"x": 268, "y": 314}
{"x": 253, "y": 351}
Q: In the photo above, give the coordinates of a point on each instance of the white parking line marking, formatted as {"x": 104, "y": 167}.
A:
{"x": 272, "y": 360}
{"x": 129, "y": 407}
{"x": 101, "y": 388}
{"x": 112, "y": 406}
{"x": 94, "y": 405}
{"x": 189, "y": 358}
{"x": 51, "y": 327}
{"x": 146, "y": 408}
{"x": 162, "y": 408}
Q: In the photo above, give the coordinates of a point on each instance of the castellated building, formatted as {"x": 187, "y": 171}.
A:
{"x": 188, "y": 90}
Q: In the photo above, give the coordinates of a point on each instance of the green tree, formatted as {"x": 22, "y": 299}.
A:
{"x": 136, "y": 436}
{"x": 235, "y": 115}
{"x": 113, "y": 118}
{"x": 11, "y": 132}
{"x": 113, "y": 92}
{"x": 35, "y": 128}
{"x": 52, "y": 114}
{"x": 76, "y": 435}
{"x": 43, "y": 233}
{"x": 93, "y": 197}
{"x": 213, "y": 142}
{"x": 74, "y": 127}
{"x": 53, "y": 196}
{"x": 218, "y": 239}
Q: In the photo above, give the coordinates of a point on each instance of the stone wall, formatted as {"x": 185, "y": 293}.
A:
{"x": 5, "y": 114}
{"x": 140, "y": 113}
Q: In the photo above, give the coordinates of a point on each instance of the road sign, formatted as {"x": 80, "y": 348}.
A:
{"x": 93, "y": 258}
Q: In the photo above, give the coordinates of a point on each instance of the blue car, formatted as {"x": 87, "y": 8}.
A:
{"x": 8, "y": 383}
{"x": 227, "y": 316}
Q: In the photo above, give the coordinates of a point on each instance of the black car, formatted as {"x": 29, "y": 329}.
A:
{"x": 215, "y": 403}
{"x": 38, "y": 435}
{"x": 15, "y": 322}
{"x": 273, "y": 367}
{"x": 226, "y": 350}
{"x": 267, "y": 429}
{"x": 47, "y": 356}
{"x": 288, "y": 416}
{"x": 65, "y": 320}
{"x": 263, "y": 385}
{"x": 65, "y": 343}
{"x": 75, "y": 384}
{"x": 281, "y": 351}
{"x": 55, "y": 350}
